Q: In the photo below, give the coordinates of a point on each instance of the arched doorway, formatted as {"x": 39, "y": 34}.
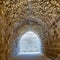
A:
{"x": 29, "y": 43}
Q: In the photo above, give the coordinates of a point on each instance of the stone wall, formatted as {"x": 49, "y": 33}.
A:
{"x": 52, "y": 41}
{"x": 14, "y": 11}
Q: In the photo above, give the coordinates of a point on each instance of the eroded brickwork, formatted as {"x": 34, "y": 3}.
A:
{"x": 14, "y": 11}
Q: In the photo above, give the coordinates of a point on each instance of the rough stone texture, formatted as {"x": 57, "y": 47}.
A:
{"x": 13, "y": 15}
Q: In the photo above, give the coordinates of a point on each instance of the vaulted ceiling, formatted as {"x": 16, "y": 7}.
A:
{"x": 42, "y": 16}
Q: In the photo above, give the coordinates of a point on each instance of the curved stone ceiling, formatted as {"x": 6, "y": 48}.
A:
{"x": 47, "y": 12}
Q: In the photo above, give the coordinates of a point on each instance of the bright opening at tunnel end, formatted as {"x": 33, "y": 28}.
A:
{"x": 29, "y": 43}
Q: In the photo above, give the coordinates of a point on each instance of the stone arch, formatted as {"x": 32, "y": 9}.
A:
{"x": 29, "y": 20}
{"x": 18, "y": 31}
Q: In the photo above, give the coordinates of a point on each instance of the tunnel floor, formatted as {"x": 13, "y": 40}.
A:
{"x": 31, "y": 57}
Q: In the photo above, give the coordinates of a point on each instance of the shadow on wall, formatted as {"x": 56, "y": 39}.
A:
{"x": 58, "y": 58}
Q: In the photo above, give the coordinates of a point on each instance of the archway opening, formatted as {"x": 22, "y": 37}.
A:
{"x": 29, "y": 43}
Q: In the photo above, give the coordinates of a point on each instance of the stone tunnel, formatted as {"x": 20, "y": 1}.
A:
{"x": 20, "y": 16}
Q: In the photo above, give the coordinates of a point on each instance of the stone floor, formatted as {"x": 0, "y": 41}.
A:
{"x": 31, "y": 57}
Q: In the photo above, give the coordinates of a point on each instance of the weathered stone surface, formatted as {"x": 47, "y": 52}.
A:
{"x": 14, "y": 11}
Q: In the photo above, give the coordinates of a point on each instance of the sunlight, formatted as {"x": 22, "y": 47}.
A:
{"x": 30, "y": 43}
